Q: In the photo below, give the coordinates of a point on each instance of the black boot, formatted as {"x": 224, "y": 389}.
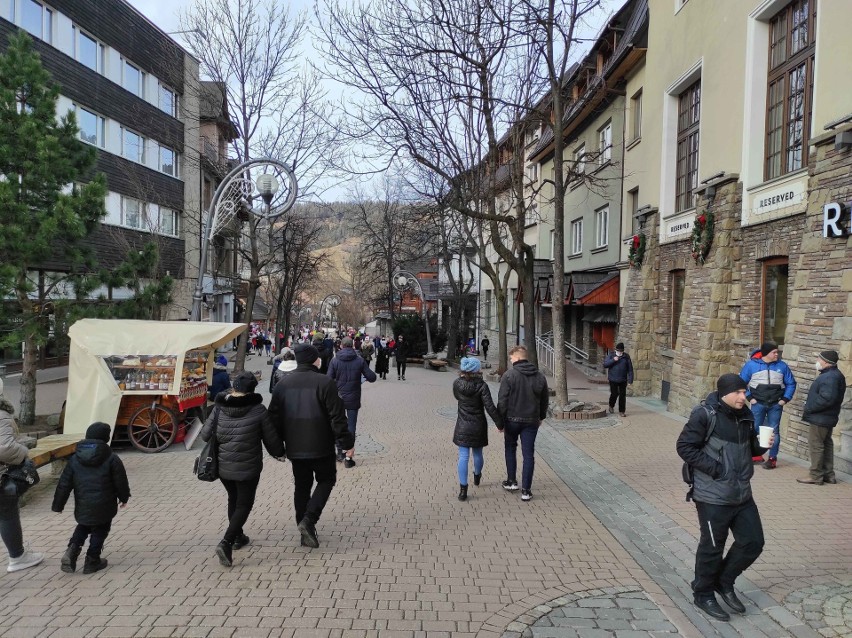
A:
{"x": 463, "y": 492}
{"x": 241, "y": 541}
{"x": 69, "y": 558}
{"x": 712, "y": 608}
{"x": 94, "y": 564}
{"x": 308, "y": 532}
{"x": 477, "y": 478}
{"x": 224, "y": 552}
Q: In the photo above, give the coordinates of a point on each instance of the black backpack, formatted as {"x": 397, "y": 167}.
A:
{"x": 687, "y": 470}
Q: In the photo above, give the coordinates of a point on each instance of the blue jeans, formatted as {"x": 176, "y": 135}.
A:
{"x": 464, "y": 460}
{"x": 351, "y": 422}
{"x": 772, "y": 415}
{"x": 527, "y": 433}
{"x": 10, "y": 519}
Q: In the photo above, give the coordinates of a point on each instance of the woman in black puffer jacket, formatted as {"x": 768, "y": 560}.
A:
{"x": 241, "y": 426}
{"x": 471, "y": 431}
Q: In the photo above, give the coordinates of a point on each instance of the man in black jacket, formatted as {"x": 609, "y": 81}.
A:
{"x": 522, "y": 403}
{"x": 722, "y": 470}
{"x": 822, "y": 412}
{"x": 401, "y": 353}
{"x": 346, "y": 369}
{"x": 307, "y": 410}
{"x": 619, "y": 369}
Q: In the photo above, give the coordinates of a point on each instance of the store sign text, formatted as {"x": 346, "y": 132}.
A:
{"x": 680, "y": 228}
{"x": 831, "y": 220}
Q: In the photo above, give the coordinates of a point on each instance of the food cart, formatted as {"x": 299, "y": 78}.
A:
{"x": 146, "y": 379}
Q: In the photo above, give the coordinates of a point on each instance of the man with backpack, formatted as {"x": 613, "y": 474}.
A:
{"x": 718, "y": 443}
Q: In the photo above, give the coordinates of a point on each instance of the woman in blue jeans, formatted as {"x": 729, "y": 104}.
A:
{"x": 471, "y": 433}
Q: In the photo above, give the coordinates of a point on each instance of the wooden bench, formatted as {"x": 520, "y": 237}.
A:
{"x": 435, "y": 364}
{"x": 52, "y": 448}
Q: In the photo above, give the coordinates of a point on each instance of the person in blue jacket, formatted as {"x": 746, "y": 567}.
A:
{"x": 221, "y": 379}
{"x": 346, "y": 369}
{"x": 770, "y": 387}
{"x": 620, "y": 373}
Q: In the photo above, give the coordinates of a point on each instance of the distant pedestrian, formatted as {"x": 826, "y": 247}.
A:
{"x": 347, "y": 370}
{"x": 267, "y": 343}
{"x": 471, "y": 431}
{"x": 722, "y": 471}
{"x": 306, "y": 409}
{"x": 221, "y": 379}
{"x": 283, "y": 363}
{"x": 522, "y": 404}
{"x": 240, "y": 424}
{"x": 484, "y": 345}
{"x": 326, "y": 352}
{"x": 12, "y": 453}
{"x": 98, "y": 480}
{"x": 620, "y": 374}
{"x": 822, "y": 412}
{"x": 401, "y": 353}
{"x": 771, "y": 386}
{"x": 382, "y": 362}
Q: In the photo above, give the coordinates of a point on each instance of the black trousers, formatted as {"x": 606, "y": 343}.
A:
{"x": 618, "y": 391}
{"x": 711, "y": 569}
{"x": 400, "y": 367}
{"x": 97, "y": 535}
{"x": 305, "y": 471}
{"x": 241, "y": 496}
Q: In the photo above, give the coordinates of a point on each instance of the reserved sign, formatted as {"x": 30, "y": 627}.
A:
{"x": 833, "y": 218}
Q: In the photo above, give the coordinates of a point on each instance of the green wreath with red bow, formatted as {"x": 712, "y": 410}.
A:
{"x": 702, "y": 237}
{"x": 636, "y": 255}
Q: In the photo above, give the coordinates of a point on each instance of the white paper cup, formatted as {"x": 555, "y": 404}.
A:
{"x": 764, "y": 435}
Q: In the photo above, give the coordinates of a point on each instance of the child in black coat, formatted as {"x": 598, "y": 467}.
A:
{"x": 99, "y": 482}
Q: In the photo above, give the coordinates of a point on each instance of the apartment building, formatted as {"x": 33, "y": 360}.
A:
{"x": 134, "y": 92}
{"x": 743, "y": 180}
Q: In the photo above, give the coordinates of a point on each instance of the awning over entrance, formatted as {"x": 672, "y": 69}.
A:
{"x": 595, "y": 293}
{"x": 605, "y": 314}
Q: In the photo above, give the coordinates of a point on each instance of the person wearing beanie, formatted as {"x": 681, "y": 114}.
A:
{"x": 771, "y": 386}
{"x": 401, "y": 352}
{"x": 242, "y": 428}
{"x": 347, "y": 370}
{"x": 619, "y": 372}
{"x": 718, "y": 442}
{"x": 283, "y": 363}
{"x": 221, "y": 381}
{"x": 308, "y": 412}
{"x": 98, "y": 480}
{"x": 325, "y": 347}
{"x": 471, "y": 431}
{"x": 822, "y": 413}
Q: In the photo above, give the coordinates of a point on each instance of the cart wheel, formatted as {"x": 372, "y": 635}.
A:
{"x": 152, "y": 428}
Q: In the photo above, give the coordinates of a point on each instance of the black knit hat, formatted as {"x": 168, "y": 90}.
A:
{"x": 766, "y": 347}
{"x": 306, "y": 353}
{"x": 829, "y": 356}
{"x": 99, "y": 431}
{"x": 245, "y": 382}
{"x": 619, "y": 346}
{"x": 728, "y": 383}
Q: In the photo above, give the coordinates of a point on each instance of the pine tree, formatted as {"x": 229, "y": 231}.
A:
{"x": 45, "y": 214}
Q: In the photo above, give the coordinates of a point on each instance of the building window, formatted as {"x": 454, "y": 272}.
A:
{"x": 602, "y": 227}
{"x": 88, "y": 51}
{"x": 132, "y": 213}
{"x": 636, "y": 115}
{"x": 633, "y": 201}
{"x": 577, "y": 236}
{"x": 580, "y": 159}
{"x": 790, "y": 90}
{"x": 132, "y": 146}
{"x": 168, "y": 161}
{"x": 688, "y": 115}
{"x": 532, "y": 173}
{"x": 133, "y": 80}
{"x": 169, "y": 222}
{"x": 678, "y": 289}
{"x": 488, "y": 302}
{"x": 552, "y": 245}
{"x": 92, "y": 127}
{"x": 605, "y": 143}
{"x": 773, "y": 323}
{"x": 37, "y": 19}
{"x": 168, "y": 101}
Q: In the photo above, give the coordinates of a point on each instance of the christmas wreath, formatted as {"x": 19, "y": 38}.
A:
{"x": 637, "y": 251}
{"x": 702, "y": 237}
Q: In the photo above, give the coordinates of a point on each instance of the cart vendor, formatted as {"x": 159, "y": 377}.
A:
{"x": 221, "y": 379}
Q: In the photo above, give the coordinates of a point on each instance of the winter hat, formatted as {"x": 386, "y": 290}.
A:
{"x": 99, "y": 431}
{"x": 306, "y": 353}
{"x": 470, "y": 364}
{"x": 245, "y": 382}
{"x": 766, "y": 347}
{"x": 318, "y": 338}
{"x": 730, "y": 382}
{"x": 829, "y": 356}
{"x": 222, "y": 360}
{"x": 619, "y": 346}
{"x": 347, "y": 343}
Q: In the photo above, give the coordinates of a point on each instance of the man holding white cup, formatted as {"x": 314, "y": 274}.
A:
{"x": 721, "y": 461}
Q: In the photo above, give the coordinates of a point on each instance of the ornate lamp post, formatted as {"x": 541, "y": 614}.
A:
{"x": 241, "y": 187}
{"x": 404, "y": 280}
{"x": 329, "y": 301}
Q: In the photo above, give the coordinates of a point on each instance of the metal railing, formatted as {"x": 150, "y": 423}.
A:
{"x": 547, "y": 352}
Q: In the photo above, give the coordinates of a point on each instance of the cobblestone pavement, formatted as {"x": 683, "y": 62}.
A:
{"x": 604, "y": 548}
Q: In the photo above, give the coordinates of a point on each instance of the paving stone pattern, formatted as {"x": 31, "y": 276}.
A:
{"x": 826, "y": 607}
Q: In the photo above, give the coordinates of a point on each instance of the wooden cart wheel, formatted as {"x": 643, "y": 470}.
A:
{"x": 152, "y": 428}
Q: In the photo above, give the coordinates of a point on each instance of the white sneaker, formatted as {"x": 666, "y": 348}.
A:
{"x": 27, "y": 559}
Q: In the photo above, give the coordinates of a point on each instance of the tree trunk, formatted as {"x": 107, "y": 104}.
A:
{"x": 26, "y": 413}
{"x": 502, "y": 345}
{"x": 529, "y": 310}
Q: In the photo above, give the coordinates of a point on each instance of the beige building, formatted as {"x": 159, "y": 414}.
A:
{"x": 745, "y": 133}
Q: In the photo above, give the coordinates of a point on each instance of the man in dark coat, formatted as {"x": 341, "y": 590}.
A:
{"x": 99, "y": 482}
{"x": 325, "y": 347}
{"x": 822, "y": 412}
{"x": 522, "y": 403}
{"x": 620, "y": 373}
{"x": 401, "y": 351}
{"x": 722, "y": 470}
{"x": 307, "y": 410}
{"x": 485, "y": 344}
{"x": 346, "y": 369}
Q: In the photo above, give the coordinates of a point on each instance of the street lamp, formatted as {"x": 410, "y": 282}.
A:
{"x": 332, "y": 300}
{"x": 236, "y": 193}
{"x": 404, "y": 280}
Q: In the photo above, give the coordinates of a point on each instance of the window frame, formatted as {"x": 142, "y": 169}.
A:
{"x": 764, "y": 266}
{"x": 636, "y": 116}
{"x": 175, "y": 217}
{"x": 100, "y": 123}
{"x": 165, "y": 88}
{"x": 141, "y": 84}
{"x": 605, "y": 143}
{"x": 46, "y": 19}
{"x": 779, "y": 80}
{"x": 175, "y": 155}
{"x": 100, "y": 50}
{"x": 142, "y": 141}
{"x": 141, "y": 212}
{"x": 577, "y": 236}
{"x": 633, "y": 194}
{"x": 602, "y": 230}
{"x": 580, "y": 159}
{"x": 687, "y": 146}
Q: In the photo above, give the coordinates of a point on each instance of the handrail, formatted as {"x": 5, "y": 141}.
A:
{"x": 577, "y": 351}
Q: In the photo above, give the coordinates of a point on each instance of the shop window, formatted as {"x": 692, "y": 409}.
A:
{"x": 689, "y": 112}
{"x": 773, "y": 319}
{"x": 678, "y": 289}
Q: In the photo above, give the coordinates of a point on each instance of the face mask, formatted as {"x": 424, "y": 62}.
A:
{"x": 620, "y": 353}
{"x": 818, "y": 366}
{"x": 318, "y": 364}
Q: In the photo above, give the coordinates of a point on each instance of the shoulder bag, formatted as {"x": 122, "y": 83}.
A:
{"x": 24, "y": 475}
{"x": 207, "y": 464}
